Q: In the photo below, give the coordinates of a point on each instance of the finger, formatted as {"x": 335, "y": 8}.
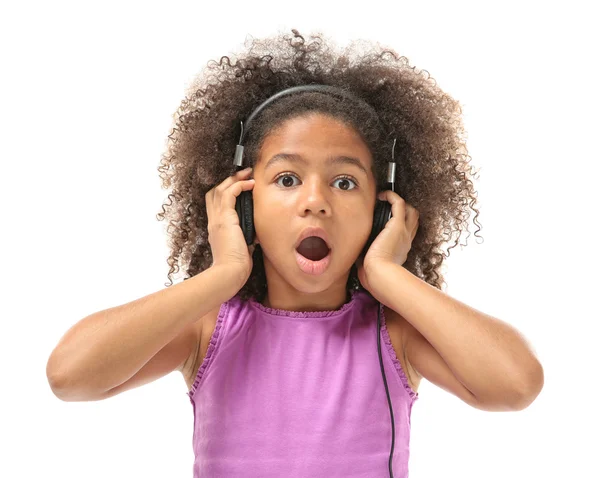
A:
{"x": 237, "y": 176}
{"x": 412, "y": 217}
{"x": 229, "y": 196}
{"x": 398, "y": 204}
{"x": 220, "y": 188}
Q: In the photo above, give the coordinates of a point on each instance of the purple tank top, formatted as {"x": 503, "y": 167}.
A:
{"x": 299, "y": 394}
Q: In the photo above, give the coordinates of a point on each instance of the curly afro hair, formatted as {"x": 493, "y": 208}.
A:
{"x": 432, "y": 172}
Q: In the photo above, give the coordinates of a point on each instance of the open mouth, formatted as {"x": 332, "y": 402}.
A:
{"x": 313, "y": 248}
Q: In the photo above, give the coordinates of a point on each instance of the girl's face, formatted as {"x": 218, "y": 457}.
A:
{"x": 303, "y": 178}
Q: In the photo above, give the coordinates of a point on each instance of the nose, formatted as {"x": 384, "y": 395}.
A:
{"x": 314, "y": 197}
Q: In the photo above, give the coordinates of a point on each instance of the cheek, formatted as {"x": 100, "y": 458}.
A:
{"x": 360, "y": 217}
{"x": 362, "y": 225}
{"x": 270, "y": 224}
{"x": 268, "y": 206}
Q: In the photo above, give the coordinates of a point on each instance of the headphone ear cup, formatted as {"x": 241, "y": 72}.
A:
{"x": 380, "y": 219}
{"x": 245, "y": 211}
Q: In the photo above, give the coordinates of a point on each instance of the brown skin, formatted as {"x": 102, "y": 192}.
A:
{"x": 314, "y": 195}
{"x": 433, "y": 171}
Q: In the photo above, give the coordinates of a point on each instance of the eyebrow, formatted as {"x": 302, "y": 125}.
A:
{"x": 296, "y": 158}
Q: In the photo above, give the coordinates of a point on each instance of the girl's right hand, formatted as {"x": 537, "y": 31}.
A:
{"x": 225, "y": 235}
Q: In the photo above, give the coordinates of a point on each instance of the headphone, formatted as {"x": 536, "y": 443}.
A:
{"x": 243, "y": 203}
{"x": 382, "y": 214}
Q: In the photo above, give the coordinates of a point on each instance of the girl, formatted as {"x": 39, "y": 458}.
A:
{"x": 300, "y": 266}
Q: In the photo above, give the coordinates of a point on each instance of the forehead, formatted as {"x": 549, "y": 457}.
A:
{"x": 314, "y": 137}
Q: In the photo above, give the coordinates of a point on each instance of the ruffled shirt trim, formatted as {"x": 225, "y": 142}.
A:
{"x": 211, "y": 348}
{"x": 392, "y": 353}
{"x": 288, "y": 313}
{"x": 313, "y": 314}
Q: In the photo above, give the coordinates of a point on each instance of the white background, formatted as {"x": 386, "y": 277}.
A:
{"x": 87, "y": 97}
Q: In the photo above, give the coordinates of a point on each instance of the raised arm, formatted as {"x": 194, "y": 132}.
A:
{"x": 108, "y": 348}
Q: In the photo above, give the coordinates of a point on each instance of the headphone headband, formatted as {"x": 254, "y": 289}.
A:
{"x": 329, "y": 89}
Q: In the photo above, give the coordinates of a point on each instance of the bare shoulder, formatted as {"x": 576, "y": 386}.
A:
{"x": 400, "y": 335}
{"x": 206, "y": 327}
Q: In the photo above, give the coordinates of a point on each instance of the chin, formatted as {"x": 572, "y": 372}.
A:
{"x": 290, "y": 273}
{"x": 307, "y": 287}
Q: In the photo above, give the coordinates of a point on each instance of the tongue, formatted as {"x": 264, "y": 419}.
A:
{"x": 313, "y": 248}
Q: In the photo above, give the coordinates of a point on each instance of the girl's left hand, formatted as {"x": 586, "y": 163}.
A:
{"x": 395, "y": 240}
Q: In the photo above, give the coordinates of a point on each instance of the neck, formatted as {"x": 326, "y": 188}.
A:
{"x": 330, "y": 299}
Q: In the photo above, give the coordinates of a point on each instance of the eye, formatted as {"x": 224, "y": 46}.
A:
{"x": 287, "y": 182}
{"x": 344, "y": 181}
